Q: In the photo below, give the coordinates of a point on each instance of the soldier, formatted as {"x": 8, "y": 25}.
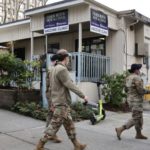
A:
{"x": 61, "y": 83}
{"x": 48, "y": 95}
{"x": 135, "y": 92}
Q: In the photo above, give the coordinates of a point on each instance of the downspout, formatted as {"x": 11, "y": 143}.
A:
{"x": 126, "y": 52}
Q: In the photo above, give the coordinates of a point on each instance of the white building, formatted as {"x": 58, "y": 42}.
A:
{"x": 122, "y": 37}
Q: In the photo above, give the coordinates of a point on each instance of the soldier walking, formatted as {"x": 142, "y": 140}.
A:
{"x": 61, "y": 83}
{"x": 135, "y": 92}
{"x": 48, "y": 95}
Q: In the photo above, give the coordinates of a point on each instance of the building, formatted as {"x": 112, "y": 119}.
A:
{"x": 11, "y": 10}
{"x": 102, "y": 40}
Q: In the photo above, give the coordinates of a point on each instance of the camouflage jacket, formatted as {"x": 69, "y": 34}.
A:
{"x": 135, "y": 91}
{"x": 61, "y": 83}
{"x": 48, "y": 85}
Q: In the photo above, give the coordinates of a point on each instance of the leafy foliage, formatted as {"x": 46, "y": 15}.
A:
{"x": 113, "y": 90}
{"x": 14, "y": 71}
{"x": 79, "y": 111}
{"x": 34, "y": 110}
{"x": 30, "y": 109}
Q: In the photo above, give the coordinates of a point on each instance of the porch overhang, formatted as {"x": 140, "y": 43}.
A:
{"x": 133, "y": 14}
{"x": 54, "y": 6}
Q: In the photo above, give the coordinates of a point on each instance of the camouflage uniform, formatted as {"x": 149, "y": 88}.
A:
{"x": 135, "y": 92}
{"x": 61, "y": 83}
{"x": 48, "y": 96}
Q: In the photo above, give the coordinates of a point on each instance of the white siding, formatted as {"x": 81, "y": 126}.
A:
{"x": 79, "y": 14}
{"x": 37, "y": 22}
{"x": 15, "y": 33}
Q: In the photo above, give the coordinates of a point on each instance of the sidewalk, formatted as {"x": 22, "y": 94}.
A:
{"x": 22, "y": 133}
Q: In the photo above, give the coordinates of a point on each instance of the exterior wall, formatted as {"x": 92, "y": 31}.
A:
{"x": 37, "y": 22}
{"x": 38, "y": 46}
{"x": 14, "y": 33}
{"x": 114, "y": 49}
{"x": 90, "y": 90}
{"x": 76, "y": 14}
{"x": 147, "y": 40}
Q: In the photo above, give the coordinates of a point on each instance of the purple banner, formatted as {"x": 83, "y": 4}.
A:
{"x": 99, "y": 22}
{"x": 56, "y": 22}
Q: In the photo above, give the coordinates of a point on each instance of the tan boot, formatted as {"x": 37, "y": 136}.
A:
{"x": 139, "y": 135}
{"x": 55, "y": 139}
{"x": 78, "y": 146}
{"x": 40, "y": 145}
{"x": 119, "y": 131}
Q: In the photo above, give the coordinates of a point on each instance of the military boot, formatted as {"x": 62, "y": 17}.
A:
{"x": 40, "y": 145}
{"x": 55, "y": 139}
{"x": 139, "y": 135}
{"x": 78, "y": 146}
{"x": 119, "y": 131}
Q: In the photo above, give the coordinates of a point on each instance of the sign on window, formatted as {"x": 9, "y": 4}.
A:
{"x": 56, "y": 22}
{"x": 99, "y": 22}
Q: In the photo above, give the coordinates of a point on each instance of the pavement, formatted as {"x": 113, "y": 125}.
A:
{"x": 18, "y": 132}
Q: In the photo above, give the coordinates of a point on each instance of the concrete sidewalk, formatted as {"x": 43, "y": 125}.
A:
{"x": 18, "y": 132}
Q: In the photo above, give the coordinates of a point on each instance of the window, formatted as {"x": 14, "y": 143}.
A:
{"x": 53, "y": 48}
{"x": 20, "y": 53}
{"x": 94, "y": 45}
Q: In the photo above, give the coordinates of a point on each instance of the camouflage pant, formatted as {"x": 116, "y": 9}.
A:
{"x": 61, "y": 116}
{"x": 137, "y": 120}
{"x": 49, "y": 117}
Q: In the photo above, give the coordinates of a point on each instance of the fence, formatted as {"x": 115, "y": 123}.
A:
{"x": 90, "y": 67}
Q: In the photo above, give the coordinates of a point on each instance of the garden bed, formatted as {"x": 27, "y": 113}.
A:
{"x": 8, "y": 97}
{"x": 122, "y": 107}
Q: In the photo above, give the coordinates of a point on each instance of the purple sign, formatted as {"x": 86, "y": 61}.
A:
{"x": 99, "y": 22}
{"x": 56, "y": 22}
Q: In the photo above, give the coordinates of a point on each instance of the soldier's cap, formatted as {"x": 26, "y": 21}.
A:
{"x": 135, "y": 67}
{"x": 62, "y": 54}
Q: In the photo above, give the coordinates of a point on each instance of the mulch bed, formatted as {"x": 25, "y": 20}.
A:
{"x": 123, "y": 107}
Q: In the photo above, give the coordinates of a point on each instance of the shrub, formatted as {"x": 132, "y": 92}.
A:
{"x": 30, "y": 109}
{"x": 79, "y": 111}
{"x": 113, "y": 90}
{"x": 34, "y": 110}
{"x": 14, "y": 72}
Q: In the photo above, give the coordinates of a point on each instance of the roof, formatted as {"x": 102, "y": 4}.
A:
{"x": 134, "y": 15}
{"x": 14, "y": 23}
{"x": 64, "y": 4}
{"x": 53, "y": 6}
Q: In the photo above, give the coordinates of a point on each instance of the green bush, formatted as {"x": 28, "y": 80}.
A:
{"x": 113, "y": 90}
{"x": 34, "y": 110}
{"x": 79, "y": 111}
{"x": 30, "y": 109}
{"x": 13, "y": 71}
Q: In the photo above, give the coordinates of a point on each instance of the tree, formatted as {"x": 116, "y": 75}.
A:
{"x": 8, "y": 7}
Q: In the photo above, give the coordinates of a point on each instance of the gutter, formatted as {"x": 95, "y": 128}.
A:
{"x": 15, "y": 23}
{"x": 135, "y": 15}
{"x": 49, "y": 8}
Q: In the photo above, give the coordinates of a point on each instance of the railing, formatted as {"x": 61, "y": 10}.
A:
{"x": 88, "y": 67}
